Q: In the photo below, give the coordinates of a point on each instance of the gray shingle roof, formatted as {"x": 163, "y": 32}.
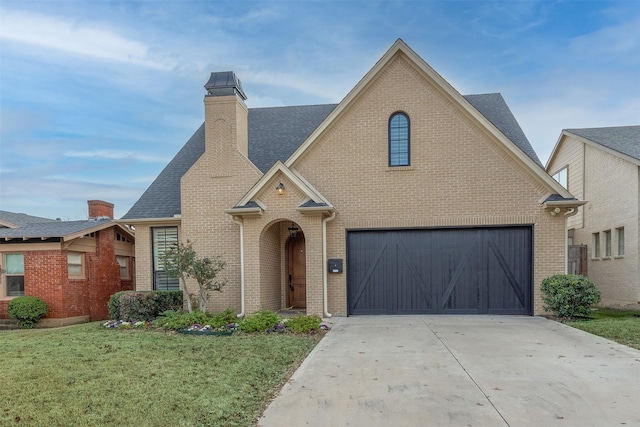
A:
{"x": 496, "y": 110}
{"x": 274, "y": 134}
{"x": 623, "y": 139}
{"x": 51, "y": 228}
{"x": 558, "y": 198}
{"x": 21, "y": 219}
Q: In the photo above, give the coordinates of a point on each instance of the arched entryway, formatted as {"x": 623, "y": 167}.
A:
{"x": 296, "y": 271}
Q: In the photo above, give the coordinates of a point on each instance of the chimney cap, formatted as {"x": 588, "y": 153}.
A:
{"x": 224, "y": 83}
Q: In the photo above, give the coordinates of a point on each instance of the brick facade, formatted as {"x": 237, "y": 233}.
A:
{"x": 74, "y": 299}
{"x": 460, "y": 175}
{"x": 611, "y": 184}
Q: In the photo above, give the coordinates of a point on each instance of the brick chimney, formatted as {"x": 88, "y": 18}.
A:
{"x": 99, "y": 208}
{"x": 226, "y": 119}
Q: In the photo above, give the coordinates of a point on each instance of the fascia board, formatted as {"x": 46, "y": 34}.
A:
{"x": 175, "y": 220}
{"x": 565, "y": 203}
{"x": 604, "y": 148}
{"x": 556, "y": 148}
{"x": 447, "y": 90}
{"x": 244, "y": 211}
{"x": 295, "y": 178}
{"x": 93, "y": 229}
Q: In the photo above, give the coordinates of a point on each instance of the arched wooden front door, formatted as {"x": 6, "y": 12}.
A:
{"x": 297, "y": 272}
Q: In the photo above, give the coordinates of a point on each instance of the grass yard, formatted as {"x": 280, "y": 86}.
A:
{"x": 87, "y": 375}
{"x": 622, "y": 326}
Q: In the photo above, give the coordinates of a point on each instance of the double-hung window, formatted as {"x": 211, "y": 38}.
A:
{"x": 14, "y": 275}
{"x": 163, "y": 239}
{"x": 607, "y": 243}
{"x": 620, "y": 239}
{"x": 399, "y": 142}
{"x": 123, "y": 262}
{"x": 75, "y": 265}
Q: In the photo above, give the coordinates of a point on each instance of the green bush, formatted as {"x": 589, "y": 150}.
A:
{"x": 259, "y": 322}
{"x": 114, "y": 304}
{"x": 224, "y": 318}
{"x": 168, "y": 300}
{"x": 138, "y": 306}
{"x": 569, "y": 295}
{"x": 27, "y": 310}
{"x": 303, "y": 324}
{"x": 176, "y": 319}
{"x": 165, "y": 300}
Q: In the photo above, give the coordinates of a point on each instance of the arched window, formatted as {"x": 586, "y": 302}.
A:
{"x": 399, "y": 140}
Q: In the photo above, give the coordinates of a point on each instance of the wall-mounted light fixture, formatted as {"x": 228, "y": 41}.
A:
{"x": 555, "y": 212}
{"x": 293, "y": 229}
{"x": 280, "y": 188}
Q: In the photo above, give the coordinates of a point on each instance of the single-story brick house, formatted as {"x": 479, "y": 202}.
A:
{"x": 406, "y": 197}
{"x": 74, "y": 266}
{"x": 602, "y": 165}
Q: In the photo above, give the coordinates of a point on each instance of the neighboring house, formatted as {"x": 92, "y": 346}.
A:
{"x": 602, "y": 165}
{"x": 74, "y": 266}
{"x": 406, "y": 197}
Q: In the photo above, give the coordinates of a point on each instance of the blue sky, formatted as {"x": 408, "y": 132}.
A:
{"x": 97, "y": 96}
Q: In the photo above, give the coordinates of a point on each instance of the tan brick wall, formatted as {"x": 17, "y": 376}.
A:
{"x": 216, "y": 182}
{"x": 611, "y": 186}
{"x": 458, "y": 175}
{"x": 571, "y": 155}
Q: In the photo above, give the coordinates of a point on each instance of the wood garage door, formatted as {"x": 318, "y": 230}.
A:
{"x": 440, "y": 271}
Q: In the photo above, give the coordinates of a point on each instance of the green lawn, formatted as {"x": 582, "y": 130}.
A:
{"x": 87, "y": 375}
{"x": 622, "y": 326}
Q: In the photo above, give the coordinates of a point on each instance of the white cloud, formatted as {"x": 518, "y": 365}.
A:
{"x": 116, "y": 155}
{"x": 91, "y": 40}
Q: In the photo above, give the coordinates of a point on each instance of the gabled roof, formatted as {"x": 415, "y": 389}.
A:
{"x": 283, "y": 133}
{"x": 315, "y": 202}
{"x": 66, "y": 230}
{"x": 274, "y": 133}
{"x": 623, "y": 139}
{"x": 15, "y": 220}
{"x": 496, "y": 110}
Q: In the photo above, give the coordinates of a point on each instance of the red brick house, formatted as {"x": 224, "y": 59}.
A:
{"x": 74, "y": 266}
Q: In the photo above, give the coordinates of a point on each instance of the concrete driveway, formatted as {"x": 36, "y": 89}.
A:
{"x": 460, "y": 371}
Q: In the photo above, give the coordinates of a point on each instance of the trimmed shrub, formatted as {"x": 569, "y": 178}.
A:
{"x": 165, "y": 300}
{"x": 569, "y": 295}
{"x": 27, "y": 310}
{"x": 259, "y": 322}
{"x": 169, "y": 300}
{"x": 138, "y": 306}
{"x": 114, "y": 304}
{"x": 303, "y": 324}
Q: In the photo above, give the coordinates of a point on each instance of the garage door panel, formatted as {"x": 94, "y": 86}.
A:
{"x": 413, "y": 286}
{"x": 471, "y": 270}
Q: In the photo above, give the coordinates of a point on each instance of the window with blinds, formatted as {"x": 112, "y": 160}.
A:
{"x": 163, "y": 239}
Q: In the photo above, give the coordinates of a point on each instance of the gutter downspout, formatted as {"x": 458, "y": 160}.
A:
{"x": 567, "y": 214}
{"x": 325, "y": 302}
{"x": 241, "y": 224}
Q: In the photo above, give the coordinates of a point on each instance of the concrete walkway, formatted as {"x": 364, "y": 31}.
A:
{"x": 460, "y": 371}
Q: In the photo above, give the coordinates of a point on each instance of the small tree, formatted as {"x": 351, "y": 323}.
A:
{"x": 177, "y": 262}
{"x": 182, "y": 262}
{"x": 205, "y": 271}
